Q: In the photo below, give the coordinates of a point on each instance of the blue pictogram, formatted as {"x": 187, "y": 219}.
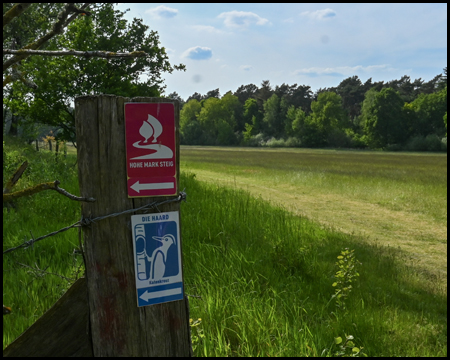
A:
{"x": 157, "y": 258}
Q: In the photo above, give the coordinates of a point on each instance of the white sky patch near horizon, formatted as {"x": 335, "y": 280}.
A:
{"x": 227, "y": 45}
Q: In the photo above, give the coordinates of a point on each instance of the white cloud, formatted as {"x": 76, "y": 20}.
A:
{"x": 241, "y": 19}
{"x": 289, "y": 20}
{"x": 198, "y": 53}
{"x": 319, "y": 14}
{"x": 162, "y": 12}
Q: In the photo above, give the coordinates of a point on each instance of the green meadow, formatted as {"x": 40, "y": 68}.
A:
{"x": 396, "y": 199}
{"x": 260, "y": 265}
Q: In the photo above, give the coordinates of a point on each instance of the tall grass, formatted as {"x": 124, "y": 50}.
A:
{"x": 34, "y": 278}
{"x": 259, "y": 278}
{"x": 264, "y": 280}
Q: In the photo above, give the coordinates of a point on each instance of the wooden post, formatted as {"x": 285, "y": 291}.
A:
{"x": 118, "y": 326}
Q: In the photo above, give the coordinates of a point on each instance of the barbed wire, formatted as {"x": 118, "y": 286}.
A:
{"x": 89, "y": 221}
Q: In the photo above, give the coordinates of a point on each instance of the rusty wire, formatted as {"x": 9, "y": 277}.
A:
{"x": 88, "y": 221}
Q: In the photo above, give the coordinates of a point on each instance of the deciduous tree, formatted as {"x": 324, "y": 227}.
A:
{"x": 327, "y": 112}
{"x": 385, "y": 121}
{"x": 58, "y": 79}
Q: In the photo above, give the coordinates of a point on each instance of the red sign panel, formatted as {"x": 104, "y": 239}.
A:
{"x": 150, "y": 144}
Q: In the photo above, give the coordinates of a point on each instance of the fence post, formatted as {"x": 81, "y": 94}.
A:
{"x": 118, "y": 326}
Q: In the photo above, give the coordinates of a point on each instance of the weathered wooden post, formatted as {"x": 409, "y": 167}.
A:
{"x": 118, "y": 326}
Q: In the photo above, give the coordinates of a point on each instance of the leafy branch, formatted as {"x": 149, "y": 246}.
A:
{"x": 58, "y": 28}
{"x": 63, "y": 20}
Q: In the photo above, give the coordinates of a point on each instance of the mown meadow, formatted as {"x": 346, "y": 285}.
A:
{"x": 259, "y": 278}
{"x": 398, "y": 199}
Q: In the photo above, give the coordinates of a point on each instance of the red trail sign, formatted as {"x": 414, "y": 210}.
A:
{"x": 150, "y": 144}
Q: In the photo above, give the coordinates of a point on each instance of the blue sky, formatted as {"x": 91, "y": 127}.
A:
{"x": 228, "y": 45}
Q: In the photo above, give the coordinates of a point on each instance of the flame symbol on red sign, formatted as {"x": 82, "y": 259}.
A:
{"x": 151, "y": 127}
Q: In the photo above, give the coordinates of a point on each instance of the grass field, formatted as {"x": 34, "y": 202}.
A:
{"x": 259, "y": 277}
{"x": 397, "y": 199}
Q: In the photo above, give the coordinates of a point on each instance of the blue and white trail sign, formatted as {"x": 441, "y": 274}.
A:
{"x": 157, "y": 257}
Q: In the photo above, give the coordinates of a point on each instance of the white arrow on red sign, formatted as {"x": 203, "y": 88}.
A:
{"x": 153, "y": 186}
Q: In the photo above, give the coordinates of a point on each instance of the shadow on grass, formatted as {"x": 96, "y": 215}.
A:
{"x": 252, "y": 250}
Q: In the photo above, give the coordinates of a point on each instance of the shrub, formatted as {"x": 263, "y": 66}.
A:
{"x": 257, "y": 140}
{"x": 433, "y": 143}
{"x": 290, "y": 142}
{"x": 416, "y": 143}
{"x": 338, "y": 138}
{"x": 293, "y": 142}
{"x": 393, "y": 147}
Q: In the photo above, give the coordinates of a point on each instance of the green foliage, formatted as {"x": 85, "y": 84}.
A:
{"x": 295, "y": 121}
{"x": 234, "y": 108}
{"x": 289, "y": 142}
{"x": 198, "y": 335}
{"x": 425, "y": 143}
{"x": 327, "y": 112}
{"x": 210, "y": 122}
{"x": 272, "y": 120}
{"x": 351, "y": 91}
{"x": 384, "y": 118}
{"x": 56, "y": 265}
{"x": 60, "y": 79}
{"x": 351, "y": 115}
{"x": 345, "y": 275}
{"x": 251, "y": 111}
{"x": 338, "y": 138}
{"x": 429, "y": 111}
{"x": 348, "y": 348}
{"x": 190, "y": 129}
{"x": 248, "y": 132}
{"x": 217, "y": 122}
{"x": 312, "y": 135}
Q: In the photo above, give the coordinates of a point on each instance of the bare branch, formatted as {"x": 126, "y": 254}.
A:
{"x": 87, "y": 54}
{"x": 41, "y": 187}
{"x": 15, "y": 177}
{"x": 14, "y": 12}
{"x": 58, "y": 28}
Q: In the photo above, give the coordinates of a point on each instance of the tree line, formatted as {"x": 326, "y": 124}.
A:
{"x": 399, "y": 114}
